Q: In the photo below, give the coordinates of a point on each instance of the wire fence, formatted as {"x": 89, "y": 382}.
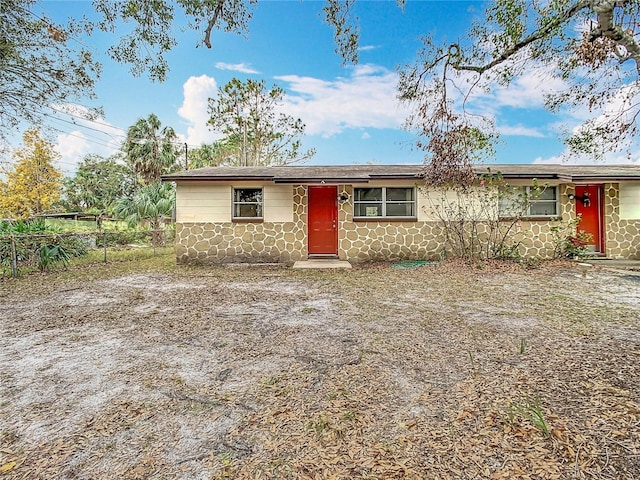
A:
{"x": 25, "y": 253}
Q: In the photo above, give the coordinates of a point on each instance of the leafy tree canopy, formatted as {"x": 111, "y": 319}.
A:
{"x": 40, "y": 65}
{"x": 33, "y": 185}
{"x": 256, "y": 133}
{"x": 97, "y": 184}
{"x": 153, "y": 203}
{"x": 221, "y": 152}
{"x": 151, "y": 149}
{"x": 590, "y": 45}
{"x": 45, "y": 63}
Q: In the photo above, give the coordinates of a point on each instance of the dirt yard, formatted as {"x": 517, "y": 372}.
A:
{"x": 152, "y": 371}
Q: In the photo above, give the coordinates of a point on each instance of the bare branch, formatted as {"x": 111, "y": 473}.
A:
{"x": 539, "y": 34}
{"x": 212, "y": 22}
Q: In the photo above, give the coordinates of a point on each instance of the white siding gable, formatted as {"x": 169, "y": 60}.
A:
{"x": 203, "y": 202}
{"x": 630, "y": 201}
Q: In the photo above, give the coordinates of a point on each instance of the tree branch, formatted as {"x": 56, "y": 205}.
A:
{"x": 539, "y": 34}
{"x": 216, "y": 15}
{"x": 606, "y": 28}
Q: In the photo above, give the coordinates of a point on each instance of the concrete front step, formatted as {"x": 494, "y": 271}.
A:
{"x": 321, "y": 263}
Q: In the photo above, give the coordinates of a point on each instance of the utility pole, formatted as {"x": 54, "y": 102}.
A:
{"x": 186, "y": 156}
{"x": 244, "y": 140}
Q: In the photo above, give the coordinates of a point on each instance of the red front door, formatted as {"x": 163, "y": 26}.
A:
{"x": 323, "y": 220}
{"x": 589, "y": 207}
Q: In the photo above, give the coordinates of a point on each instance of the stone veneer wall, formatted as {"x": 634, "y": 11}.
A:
{"x": 389, "y": 240}
{"x": 361, "y": 241}
{"x": 230, "y": 242}
{"x": 622, "y": 237}
{"x": 535, "y": 237}
{"x": 379, "y": 240}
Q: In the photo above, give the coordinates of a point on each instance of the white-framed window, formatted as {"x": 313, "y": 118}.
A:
{"x": 247, "y": 203}
{"x": 383, "y": 202}
{"x": 527, "y": 202}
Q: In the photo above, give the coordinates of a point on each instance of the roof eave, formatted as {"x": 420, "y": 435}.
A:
{"x": 587, "y": 178}
{"x": 209, "y": 178}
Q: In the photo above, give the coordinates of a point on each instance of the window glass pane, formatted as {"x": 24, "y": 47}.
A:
{"x": 247, "y": 203}
{"x": 253, "y": 195}
{"x": 510, "y": 207}
{"x": 248, "y": 210}
{"x": 400, "y": 210}
{"x": 513, "y": 203}
{"x": 548, "y": 194}
{"x": 367, "y": 210}
{"x": 369, "y": 194}
{"x": 543, "y": 208}
{"x": 399, "y": 194}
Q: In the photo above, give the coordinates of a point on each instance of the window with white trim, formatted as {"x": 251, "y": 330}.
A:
{"x": 384, "y": 202}
{"x": 528, "y": 202}
{"x": 247, "y": 203}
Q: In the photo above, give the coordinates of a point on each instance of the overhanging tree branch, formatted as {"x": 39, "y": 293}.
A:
{"x": 540, "y": 34}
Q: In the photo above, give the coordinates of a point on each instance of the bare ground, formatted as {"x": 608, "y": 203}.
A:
{"x": 149, "y": 370}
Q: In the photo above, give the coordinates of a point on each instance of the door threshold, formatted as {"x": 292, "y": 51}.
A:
{"x": 323, "y": 256}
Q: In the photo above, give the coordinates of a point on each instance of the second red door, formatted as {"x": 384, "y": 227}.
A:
{"x": 589, "y": 207}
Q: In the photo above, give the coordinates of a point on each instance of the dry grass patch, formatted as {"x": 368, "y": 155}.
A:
{"x": 148, "y": 370}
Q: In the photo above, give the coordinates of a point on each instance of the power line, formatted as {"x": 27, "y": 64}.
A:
{"x": 84, "y": 119}
{"x": 85, "y": 138}
{"x": 88, "y": 119}
{"x": 82, "y": 126}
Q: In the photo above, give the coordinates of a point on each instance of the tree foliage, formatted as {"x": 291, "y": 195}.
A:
{"x": 150, "y": 149}
{"x": 221, "y": 152}
{"x": 97, "y": 184}
{"x": 247, "y": 114}
{"x": 590, "y": 45}
{"x": 44, "y": 63}
{"x": 153, "y": 203}
{"x": 41, "y": 63}
{"x": 33, "y": 185}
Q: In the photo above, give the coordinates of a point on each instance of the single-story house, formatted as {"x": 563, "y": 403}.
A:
{"x": 383, "y": 212}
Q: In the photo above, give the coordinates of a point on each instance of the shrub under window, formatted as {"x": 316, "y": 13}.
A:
{"x": 384, "y": 202}
{"x": 247, "y": 203}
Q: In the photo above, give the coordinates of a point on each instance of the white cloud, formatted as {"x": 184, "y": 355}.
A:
{"x": 622, "y": 105}
{"x": 553, "y": 160}
{"x": 566, "y": 159}
{"x": 366, "y": 48}
{"x": 520, "y": 130}
{"x": 236, "y": 67}
{"x": 194, "y": 109}
{"x": 365, "y": 136}
{"x": 81, "y": 132}
{"x": 365, "y": 99}
{"x": 72, "y": 147}
{"x": 528, "y": 90}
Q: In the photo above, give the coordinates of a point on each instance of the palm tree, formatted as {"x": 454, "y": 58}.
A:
{"x": 153, "y": 203}
{"x": 150, "y": 149}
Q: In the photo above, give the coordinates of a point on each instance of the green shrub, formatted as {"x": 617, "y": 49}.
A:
{"x": 50, "y": 255}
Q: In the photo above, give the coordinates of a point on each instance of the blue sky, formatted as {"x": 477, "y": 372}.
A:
{"x": 351, "y": 112}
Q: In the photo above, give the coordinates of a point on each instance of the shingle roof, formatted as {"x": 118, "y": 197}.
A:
{"x": 366, "y": 173}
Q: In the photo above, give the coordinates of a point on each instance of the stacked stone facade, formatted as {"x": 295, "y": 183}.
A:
{"x": 379, "y": 240}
